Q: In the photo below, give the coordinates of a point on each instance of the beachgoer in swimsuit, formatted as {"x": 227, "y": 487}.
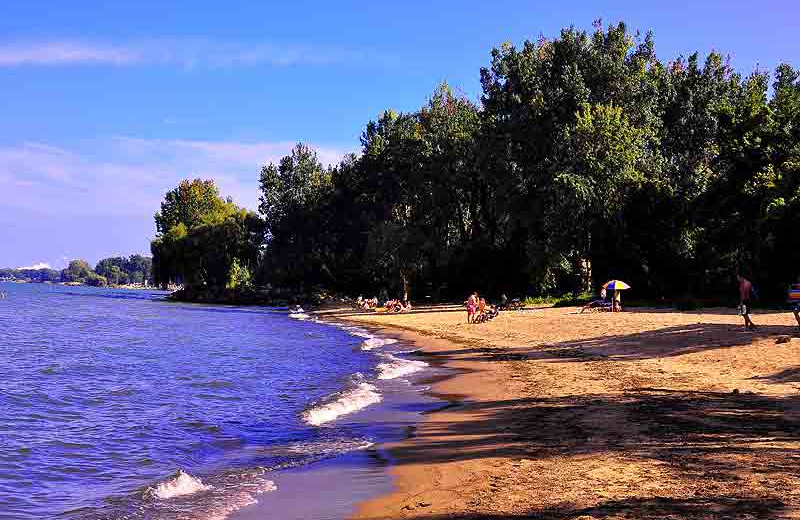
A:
{"x": 793, "y": 297}
{"x": 745, "y": 299}
{"x": 796, "y": 312}
{"x": 471, "y": 307}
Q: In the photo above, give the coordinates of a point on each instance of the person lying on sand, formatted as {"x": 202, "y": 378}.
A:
{"x": 603, "y": 303}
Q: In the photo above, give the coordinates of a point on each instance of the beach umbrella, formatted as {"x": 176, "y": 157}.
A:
{"x": 616, "y": 285}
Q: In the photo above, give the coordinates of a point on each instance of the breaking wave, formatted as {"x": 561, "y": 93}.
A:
{"x": 349, "y": 401}
{"x": 374, "y": 342}
{"x": 396, "y": 367}
{"x": 179, "y": 484}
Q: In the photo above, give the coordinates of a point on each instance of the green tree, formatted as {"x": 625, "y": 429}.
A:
{"x": 200, "y": 250}
{"x": 76, "y": 271}
{"x": 192, "y": 203}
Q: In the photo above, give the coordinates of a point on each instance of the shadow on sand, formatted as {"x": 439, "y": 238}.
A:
{"x": 707, "y": 438}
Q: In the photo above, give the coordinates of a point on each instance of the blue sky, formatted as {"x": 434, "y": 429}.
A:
{"x": 105, "y": 107}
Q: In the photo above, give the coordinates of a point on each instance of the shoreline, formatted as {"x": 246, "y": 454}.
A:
{"x": 412, "y": 478}
{"x": 345, "y": 480}
{"x": 644, "y": 414}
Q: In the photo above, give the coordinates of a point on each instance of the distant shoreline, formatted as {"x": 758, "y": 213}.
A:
{"x": 78, "y": 284}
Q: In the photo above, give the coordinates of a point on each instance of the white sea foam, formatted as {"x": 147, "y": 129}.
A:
{"x": 231, "y": 502}
{"x": 374, "y": 342}
{"x": 180, "y": 484}
{"x": 329, "y": 447}
{"x": 396, "y": 367}
{"x": 363, "y": 395}
{"x": 362, "y": 334}
{"x": 299, "y": 315}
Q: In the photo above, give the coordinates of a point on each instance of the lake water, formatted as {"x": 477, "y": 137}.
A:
{"x": 117, "y": 404}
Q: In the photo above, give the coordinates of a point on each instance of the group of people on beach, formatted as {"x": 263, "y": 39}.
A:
{"x": 394, "y": 305}
{"x": 477, "y": 309}
{"x": 367, "y": 303}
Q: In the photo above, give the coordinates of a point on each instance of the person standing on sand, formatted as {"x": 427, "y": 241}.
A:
{"x": 796, "y": 312}
{"x": 794, "y": 300}
{"x": 616, "y": 306}
{"x": 745, "y": 301}
{"x": 471, "y": 302}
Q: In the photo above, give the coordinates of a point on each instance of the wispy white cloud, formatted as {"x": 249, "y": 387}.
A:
{"x": 129, "y": 176}
{"x": 232, "y": 153}
{"x": 175, "y": 52}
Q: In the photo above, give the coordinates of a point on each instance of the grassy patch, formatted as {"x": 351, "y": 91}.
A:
{"x": 564, "y": 300}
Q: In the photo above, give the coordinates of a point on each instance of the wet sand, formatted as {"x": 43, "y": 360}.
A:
{"x": 645, "y": 414}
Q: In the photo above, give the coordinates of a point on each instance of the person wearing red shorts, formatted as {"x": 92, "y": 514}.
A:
{"x": 471, "y": 306}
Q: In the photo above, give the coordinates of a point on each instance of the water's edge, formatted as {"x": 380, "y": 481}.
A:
{"x": 343, "y": 482}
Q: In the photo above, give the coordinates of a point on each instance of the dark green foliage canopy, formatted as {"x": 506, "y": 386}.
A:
{"x": 120, "y": 270}
{"x": 586, "y": 159}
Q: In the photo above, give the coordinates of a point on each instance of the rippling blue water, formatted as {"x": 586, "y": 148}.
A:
{"x": 104, "y": 394}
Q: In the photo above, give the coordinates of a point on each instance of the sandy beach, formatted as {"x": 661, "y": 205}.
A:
{"x": 644, "y": 414}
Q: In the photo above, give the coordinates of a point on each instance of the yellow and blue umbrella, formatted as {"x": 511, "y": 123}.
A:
{"x": 616, "y": 285}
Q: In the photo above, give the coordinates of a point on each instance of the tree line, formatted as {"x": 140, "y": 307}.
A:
{"x": 586, "y": 158}
{"x": 119, "y": 270}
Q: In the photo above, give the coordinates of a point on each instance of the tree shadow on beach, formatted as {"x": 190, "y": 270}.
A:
{"x": 657, "y": 508}
{"x": 654, "y": 423}
{"x": 708, "y": 438}
{"x": 788, "y": 375}
{"x": 675, "y": 340}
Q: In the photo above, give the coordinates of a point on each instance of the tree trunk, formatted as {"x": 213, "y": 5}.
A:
{"x": 587, "y": 265}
